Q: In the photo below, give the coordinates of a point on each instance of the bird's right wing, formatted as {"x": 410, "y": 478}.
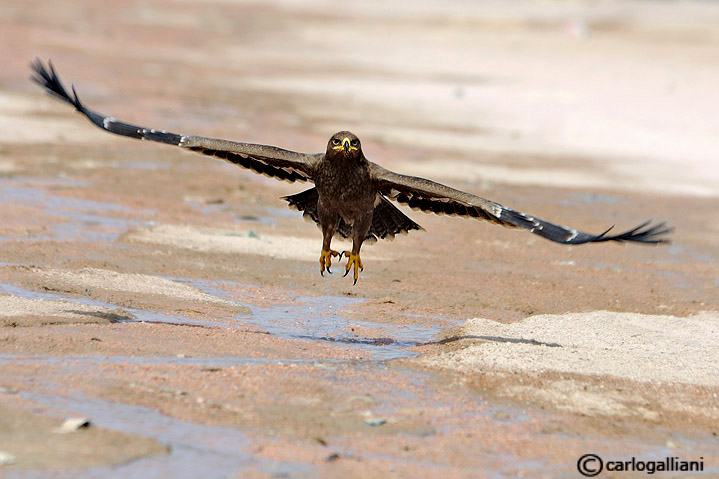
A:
{"x": 267, "y": 160}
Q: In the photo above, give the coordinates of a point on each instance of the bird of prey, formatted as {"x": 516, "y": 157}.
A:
{"x": 351, "y": 194}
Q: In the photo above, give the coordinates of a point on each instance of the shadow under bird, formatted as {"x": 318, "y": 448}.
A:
{"x": 351, "y": 194}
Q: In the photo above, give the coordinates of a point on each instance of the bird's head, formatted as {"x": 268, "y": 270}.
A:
{"x": 344, "y": 144}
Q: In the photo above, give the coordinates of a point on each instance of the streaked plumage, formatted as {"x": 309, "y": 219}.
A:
{"x": 351, "y": 195}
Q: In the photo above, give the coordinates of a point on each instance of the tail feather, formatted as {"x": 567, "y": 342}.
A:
{"x": 387, "y": 220}
{"x": 306, "y": 202}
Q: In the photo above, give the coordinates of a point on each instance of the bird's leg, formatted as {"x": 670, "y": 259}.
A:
{"x": 353, "y": 260}
{"x": 359, "y": 233}
{"x": 329, "y": 224}
{"x": 326, "y": 260}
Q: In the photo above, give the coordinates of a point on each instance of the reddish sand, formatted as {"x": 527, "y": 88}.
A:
{"x": 177, "y": 302}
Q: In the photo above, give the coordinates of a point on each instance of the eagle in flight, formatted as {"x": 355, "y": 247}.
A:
{"x": 351, "y": 194}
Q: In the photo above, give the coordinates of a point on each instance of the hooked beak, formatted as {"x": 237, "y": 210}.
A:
{"x": 346, "y": 145}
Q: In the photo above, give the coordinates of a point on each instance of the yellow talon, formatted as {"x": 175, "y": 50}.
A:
{"x": 353, "y": 260}
{"x": 326, "y": 260}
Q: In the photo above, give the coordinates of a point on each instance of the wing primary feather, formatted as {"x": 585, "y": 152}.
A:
{"x": 643, "y": 233}
{"x": 267, "y": 160}
{"x": 50, "y": 81}
{"x": 432, "y": 197}
{"x": 162, "y": 136}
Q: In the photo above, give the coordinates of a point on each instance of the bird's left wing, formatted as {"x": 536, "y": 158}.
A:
{"x": 432, "y": 197}
{"x": 267, "y": 160}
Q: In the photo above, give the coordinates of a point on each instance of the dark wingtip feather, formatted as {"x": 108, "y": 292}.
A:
{"x": 50, "y": 81}
{"x": 76, "y": 99}
{"x": 643, "y": 233}
{"x": 604, "y": 234}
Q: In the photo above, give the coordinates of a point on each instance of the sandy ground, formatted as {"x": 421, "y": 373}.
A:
{"x": 177, "y": 302}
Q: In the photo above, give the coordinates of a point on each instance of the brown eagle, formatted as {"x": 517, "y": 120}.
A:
{"x": 351, "y": 194}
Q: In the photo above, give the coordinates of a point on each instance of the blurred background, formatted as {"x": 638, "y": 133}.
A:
{"x": 556, "y": 93}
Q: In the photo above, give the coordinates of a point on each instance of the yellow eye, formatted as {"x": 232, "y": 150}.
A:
{"x": 354, "y": 143}
{"x": 335, "y": 141}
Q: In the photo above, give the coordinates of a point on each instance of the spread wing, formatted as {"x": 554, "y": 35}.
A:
{"x": 432, "y": 197}
{"x": 267, "y": 160}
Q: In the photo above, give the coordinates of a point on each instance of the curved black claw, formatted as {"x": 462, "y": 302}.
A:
{"x": 355, "y": 280}
{"x": 354, "y": 263}
{"x": 326, "y": 261}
